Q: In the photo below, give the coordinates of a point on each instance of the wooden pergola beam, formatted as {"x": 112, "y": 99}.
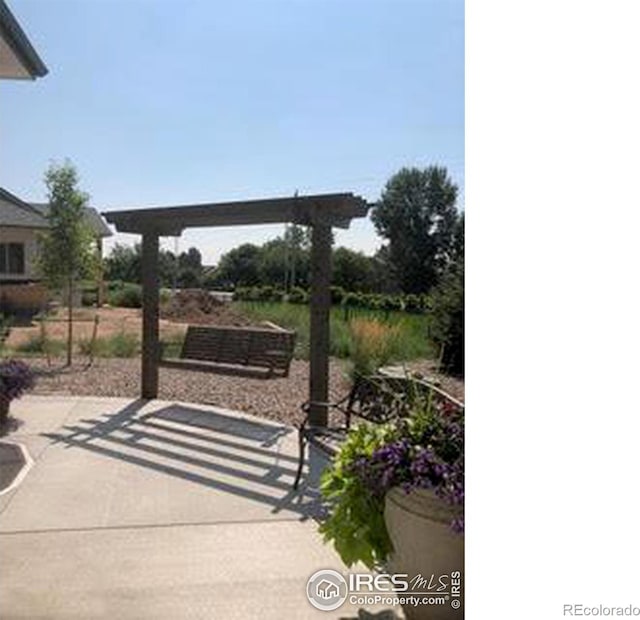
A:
{"x": 335, "y": 209}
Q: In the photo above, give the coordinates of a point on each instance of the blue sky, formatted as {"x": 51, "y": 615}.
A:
{"x": 164, "y": 103}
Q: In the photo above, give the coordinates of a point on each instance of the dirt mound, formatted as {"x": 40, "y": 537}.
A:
{"x": 196, "y": 306}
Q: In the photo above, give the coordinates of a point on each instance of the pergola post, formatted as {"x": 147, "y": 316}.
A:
{"x": 150, "y": 314}
{"x": 319, "y": 323}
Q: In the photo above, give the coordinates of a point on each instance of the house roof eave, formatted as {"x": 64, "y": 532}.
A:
{"x": 17, "y": 41}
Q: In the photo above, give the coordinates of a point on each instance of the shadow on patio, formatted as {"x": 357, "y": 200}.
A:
{"x": 222, "y": 451}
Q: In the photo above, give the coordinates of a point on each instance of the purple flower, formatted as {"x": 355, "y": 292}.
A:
{"x": 15, "y": 379}
{"x": 431, "y": 457}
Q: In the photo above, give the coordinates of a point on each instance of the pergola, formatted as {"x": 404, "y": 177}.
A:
{"x": 320, "y": 212}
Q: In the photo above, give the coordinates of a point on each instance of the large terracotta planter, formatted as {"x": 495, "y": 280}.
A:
{"x": 424, "y": 544}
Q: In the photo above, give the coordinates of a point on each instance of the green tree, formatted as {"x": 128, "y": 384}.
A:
{"x": 353, "y": 271}
{"x": 383, "y": 278}
{"x": 123, "y": 263}
{"x": 241, "y": 266}
{"x": 457, "y": 248}
{"x": 68, "y": 247}
{"x": 273, "y": 263}
{"x": 190, "y": 269}
{"x": 417, "y": 215}
{"x": 168, "y": 270}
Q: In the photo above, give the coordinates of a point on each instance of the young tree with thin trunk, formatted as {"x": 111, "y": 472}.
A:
{"x": 67, "y": 251}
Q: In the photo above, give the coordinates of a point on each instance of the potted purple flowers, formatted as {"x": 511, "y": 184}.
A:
{"x": 15, "y": 379}
{"x": 396, "y": 500}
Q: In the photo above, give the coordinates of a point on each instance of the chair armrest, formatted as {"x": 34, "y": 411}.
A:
{"x": 306, "y": 407}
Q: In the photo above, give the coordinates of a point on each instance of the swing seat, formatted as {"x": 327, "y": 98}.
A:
{"x": 241, "y": 351}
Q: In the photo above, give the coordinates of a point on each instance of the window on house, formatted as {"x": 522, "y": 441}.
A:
{"x": 12, "y": 258}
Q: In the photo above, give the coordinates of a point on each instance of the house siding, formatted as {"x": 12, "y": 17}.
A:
{"x": 28, "y": 237}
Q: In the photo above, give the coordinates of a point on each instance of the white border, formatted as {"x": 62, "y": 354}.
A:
{"x": 27, "y": 465}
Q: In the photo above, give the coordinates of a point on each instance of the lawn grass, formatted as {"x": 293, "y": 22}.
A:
{"x": 411, "y": 342}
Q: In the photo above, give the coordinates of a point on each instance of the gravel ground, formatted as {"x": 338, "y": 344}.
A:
{"x": 275, "y": 399}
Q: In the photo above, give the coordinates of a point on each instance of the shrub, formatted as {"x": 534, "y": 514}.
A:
{"x": 124, "y": 344}
{"x": 86, "y": 346}
{"x": 129, "y": 296}
{"x": 390, "y": 303}
{"x": 298, "y": 295}
{"x": 259, "y": 293}
{"x": 447, "y": 320}
{"x": 89, "y": 298}
{"x": 165, "y": 295}
{"x": 372, "y": 301}
{"x": 41, "y": 343}
{"x": 241, "y": 294}
{"x": 372, "y": 345}
{"x": 337, "y": 294}
{"x": 248, "y": 293}
{"x": 351, "y": 300}
{"x": 412, "y": 304}
{"x": 114, "y": 285}
{"x": 265, "y": 293}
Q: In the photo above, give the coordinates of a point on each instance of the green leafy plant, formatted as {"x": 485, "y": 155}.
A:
{"x": 422, "y": 451}
{"x": 356, "y": 522}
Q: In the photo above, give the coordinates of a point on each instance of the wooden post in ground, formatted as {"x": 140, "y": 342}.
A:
{"x": 100, "y": 292}
{"x": 69, "y": 319}
{"x": 150, "y": 314}
{"x": 321, "y": 240}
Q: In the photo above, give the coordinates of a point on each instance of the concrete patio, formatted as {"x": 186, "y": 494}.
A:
{"x": 150, "y": 509}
